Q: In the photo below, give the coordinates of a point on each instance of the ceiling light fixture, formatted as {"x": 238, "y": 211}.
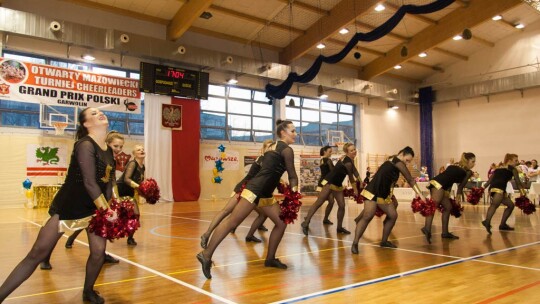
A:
{"x": 422, "y": 55}
{"x": 457, "y": 37}
{"x": 380, "y": 8}
{"x": 88, "y": 57}
{"x": 232, "y": 81}
{"x": 321, "y": 46}
{"x": 519, "y": 25}
{"x": 344, "y": 31}
{"x": 397, "y": 67}
{"x": 496, "y": 18}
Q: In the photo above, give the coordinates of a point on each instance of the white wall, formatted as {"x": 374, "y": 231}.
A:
{"x": 507, "y": 124}
{"x": 509, "y": 57}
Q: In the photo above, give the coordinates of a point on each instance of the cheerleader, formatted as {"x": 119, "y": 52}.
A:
{"x": 440, "y": 187}
{"x": 497, "y": 184}
{"x": 233, "y": 200}
{"x": 128, "y": 183}
{"x": 326, "y": 166}
{"x": 333, "y": 184}
{"x": 115, "y": 141}
{"x": 378, "y": 193}
{"x": 259, "y": 192}
{"x": 89, "y": 185}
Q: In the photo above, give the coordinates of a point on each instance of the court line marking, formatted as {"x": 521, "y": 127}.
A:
{"x": 395, "y": 276}
{"x": 160, "y": 274}
{"x": 508, "y": 293}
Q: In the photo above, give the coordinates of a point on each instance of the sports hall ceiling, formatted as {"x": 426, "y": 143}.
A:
{"x": 295, "y": 27}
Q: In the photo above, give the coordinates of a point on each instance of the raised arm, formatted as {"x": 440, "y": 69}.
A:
{"x": 86, "y": 157}
{"x": 288, "y": 156}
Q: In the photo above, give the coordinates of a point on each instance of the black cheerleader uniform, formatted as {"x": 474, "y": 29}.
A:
{"x": 278, "y": 159}
{"x": 326, "y": 167}
{"x": 255, "y": 168}
{"x": 453, "y": 174}
{"x": 500, "y": 179}
{"x": 133, "y": 174}
{"x": 343, "y": 168}
{"x": 380, "y": 188}
{"x": 90, "y": 175}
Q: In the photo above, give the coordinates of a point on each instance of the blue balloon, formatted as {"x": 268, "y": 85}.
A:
{"x": 218, "y": 179}
{"x": 219, "y": 163}
{"x": 27, "y": 184}
{"x": 221, "y": 148}
{"x": 220, "y": 168}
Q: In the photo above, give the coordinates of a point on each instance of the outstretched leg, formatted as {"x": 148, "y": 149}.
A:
{"x": 496, "y": 200}
{"x": 437, "y": 195}
{"x": 328, "y": 209}
{"x": 368, "y": 213}
{"x": 250, "y": 237}
{"x": 46, "y": 240}
{"x": 233, "y": 201}
{"x": 325, "y": 192}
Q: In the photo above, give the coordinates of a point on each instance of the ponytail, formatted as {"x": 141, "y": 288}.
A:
{"x": 82, "y": 131}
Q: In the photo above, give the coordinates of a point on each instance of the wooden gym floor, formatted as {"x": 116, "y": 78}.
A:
{"x": 478, "y": 268}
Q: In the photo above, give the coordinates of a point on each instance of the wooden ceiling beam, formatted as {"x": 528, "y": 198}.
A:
{"x": 118, "y": 11}
{"x": 233, "y": 38}
{"x": 474, "y": 14}
{"x": 482, "y": 41}
{"x": 185, "y": 16}
{"x": 371, "y": 27}
{"x": 343, "y": 13}
{"x": 451, "y": 54}
{"x": 307, "y": 7}
{"x": 250, "y": 18}
{"x": 417, "y": 17}
{"x": 359, "y": 48}
{"x": 426, "y": 66}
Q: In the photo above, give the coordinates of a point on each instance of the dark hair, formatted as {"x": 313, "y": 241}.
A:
{"x": 281, "y": 125}
{"x": 528, "y": 163}
{"x": 534, "y": 160}
{"x": 406, "y": 151}
{"x": 324, "y": 149}
{"x": 82, "y": 131}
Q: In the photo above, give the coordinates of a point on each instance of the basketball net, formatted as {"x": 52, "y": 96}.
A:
{"x": 339, "y": 146}
{"x": 59, "y": 127}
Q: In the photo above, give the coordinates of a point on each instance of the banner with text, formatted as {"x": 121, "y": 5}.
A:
{"x": 50, "y": 85}
{"x": 230, "y": 162}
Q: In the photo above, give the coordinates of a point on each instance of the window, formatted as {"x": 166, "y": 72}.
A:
{"x": 27, "y": 115}
{"x": 237, "y": 114}
{"x": 313, "y": 119}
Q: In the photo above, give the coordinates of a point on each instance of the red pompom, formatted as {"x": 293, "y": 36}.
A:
{"x": 349, "y": 192}
{"x": 290, "y": 205}
{"x": 525, "y": 205}
{"x": 474, "y": 196}
{"x": 149, "y": 189}
{"x": 457, "y": 208}
{"x": 379, "y": 212}
{"x": 426, "y": 208}
{"x": 126, "y": 224}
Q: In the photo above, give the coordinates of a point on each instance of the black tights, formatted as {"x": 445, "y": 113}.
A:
{"x": 497, "y": 200}
{"x": 437, "y": 195}
{"x": 239, "y": 213}
{"x": 367, "y": 215}
{"x": 329, "y": 207}
{"x": 324, "y": 195}
{"x": 47, "y": 238}
{"x": 229, "y": 207}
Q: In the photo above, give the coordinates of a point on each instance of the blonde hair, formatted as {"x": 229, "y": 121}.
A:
{"x": 266, "y": 144}
{"x": 346, "y": 147}
{"x": 465, "y": 158}
{"x": 508, "y": 157}
{"x": 135, "y": 148}
{"x": 112, "y": 135}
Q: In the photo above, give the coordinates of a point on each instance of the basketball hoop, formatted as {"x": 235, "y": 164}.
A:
{"x": 59, "y": 127}
{"x": 339, "y": 146}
